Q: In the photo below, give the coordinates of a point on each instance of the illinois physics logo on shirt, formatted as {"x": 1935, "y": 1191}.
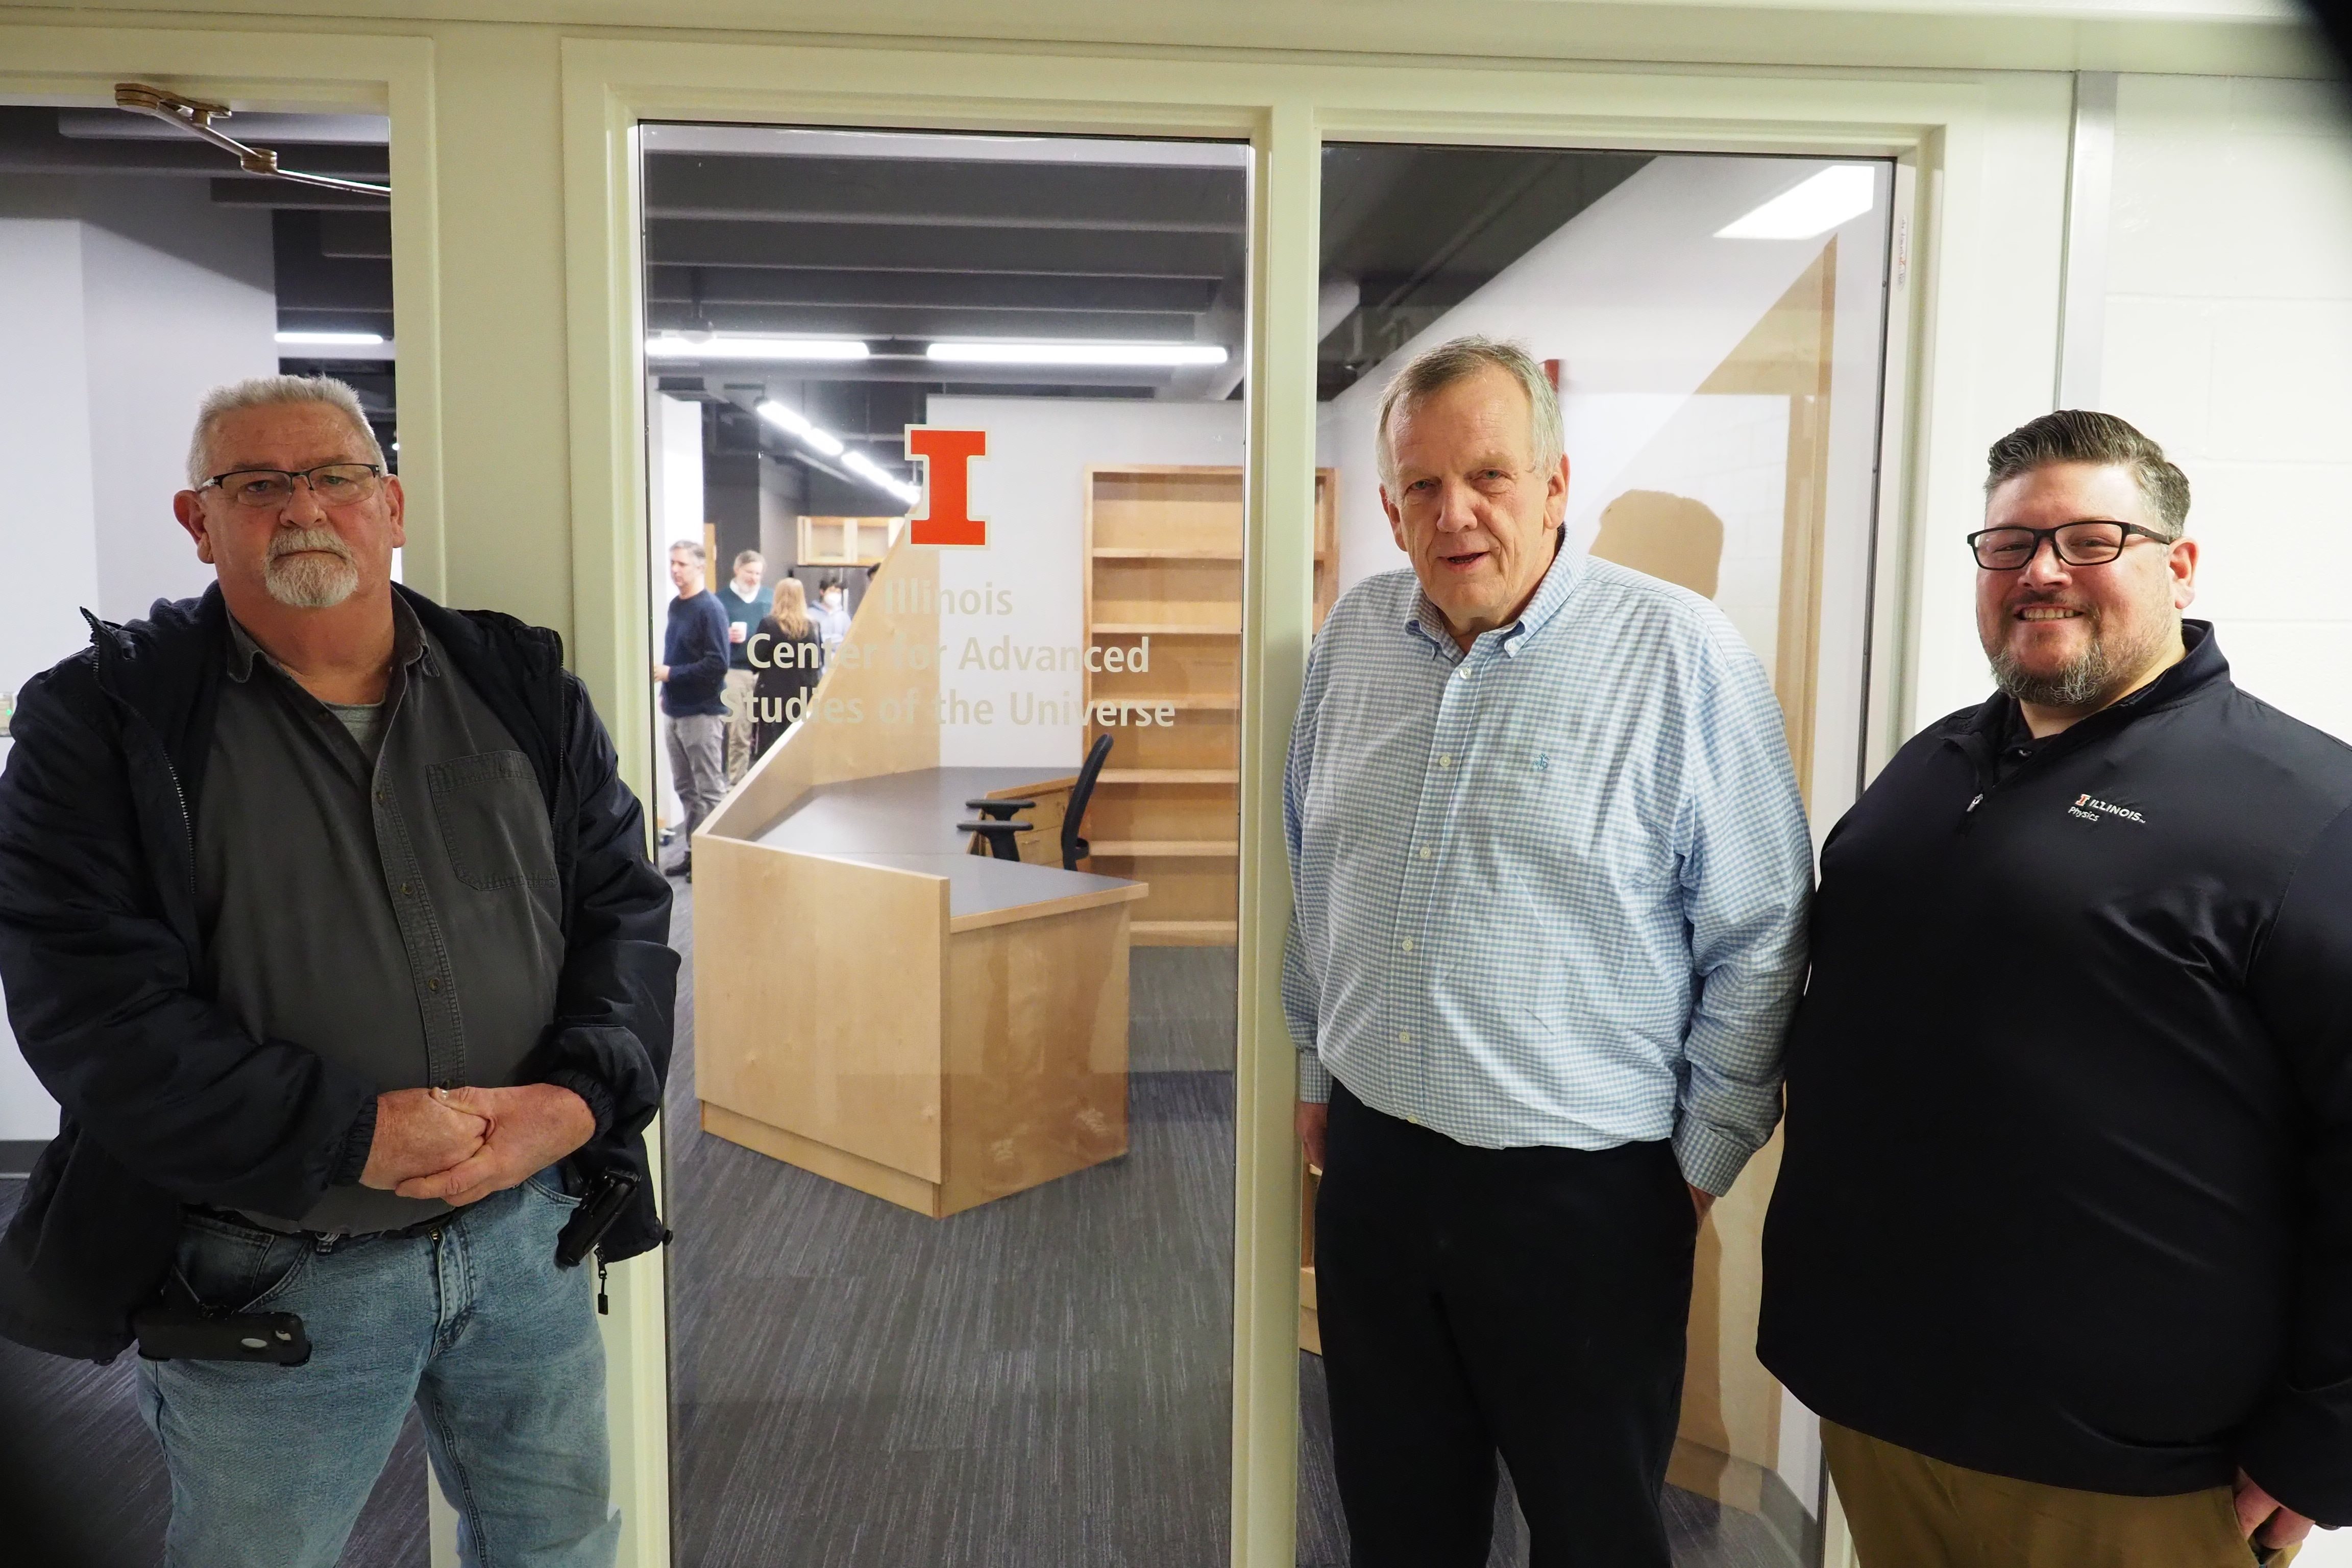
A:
{"x": 2090, "y": 808}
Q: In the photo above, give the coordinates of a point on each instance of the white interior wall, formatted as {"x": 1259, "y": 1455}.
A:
{"x": 673, "y": 493}
{"x": 48, "y": 569}
{"x": 122, "y": 301}
{"x": 1030, "y": 489}
{"x": 180, "y": 296}
{"x": 2229, "y": 340}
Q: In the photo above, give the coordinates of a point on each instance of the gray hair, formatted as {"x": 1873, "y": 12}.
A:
{"x": 689, "y": 548}
{"x": 273, "y": 392}
{"x": 1434, "y": 369}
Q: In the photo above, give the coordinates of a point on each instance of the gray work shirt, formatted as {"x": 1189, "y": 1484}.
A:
{"x": 398, "y": 914}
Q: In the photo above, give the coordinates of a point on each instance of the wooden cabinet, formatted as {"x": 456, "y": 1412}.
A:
{"x": 847, "y": 541}
{"x": 1163, "y": 612}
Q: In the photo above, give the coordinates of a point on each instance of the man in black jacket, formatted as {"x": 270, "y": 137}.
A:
{"x": 327, "y": 919}
{"x": 2061, "y": 1246}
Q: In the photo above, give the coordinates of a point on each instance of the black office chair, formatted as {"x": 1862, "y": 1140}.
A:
{"x": 1074, "y": 816}
{"x": 997, "y": 828}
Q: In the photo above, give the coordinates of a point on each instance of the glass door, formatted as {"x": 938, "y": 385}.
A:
{"x": 1714, "y": 328}
{"x": 951, "y": 429}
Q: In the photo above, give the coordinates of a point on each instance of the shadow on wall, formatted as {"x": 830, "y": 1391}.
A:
{"x": 1668, "y": 536}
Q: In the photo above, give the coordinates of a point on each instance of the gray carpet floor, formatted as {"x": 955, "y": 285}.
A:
{"x": 1041, "y": 1381}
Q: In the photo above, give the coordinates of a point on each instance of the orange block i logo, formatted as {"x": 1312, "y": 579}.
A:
{"x": 947, "y": 456}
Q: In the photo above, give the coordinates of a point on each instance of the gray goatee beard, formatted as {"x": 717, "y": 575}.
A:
{"x": 2075, "y": 685}
{"x": 300, "y": 581}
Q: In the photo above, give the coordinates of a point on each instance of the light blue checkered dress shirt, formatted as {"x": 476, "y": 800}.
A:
{"x": 1551, "y": 891}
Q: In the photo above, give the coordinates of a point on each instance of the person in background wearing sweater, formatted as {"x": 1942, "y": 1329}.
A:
{"x": 692, "y": 674}
{"x": 789, "y": 655}
{"x": 2061, "y": 1246}
{"x": 746, "y": 605}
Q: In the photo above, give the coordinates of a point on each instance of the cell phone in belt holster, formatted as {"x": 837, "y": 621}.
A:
{"x": 181, "y": 1327}
{"x": 188, "y": 1333}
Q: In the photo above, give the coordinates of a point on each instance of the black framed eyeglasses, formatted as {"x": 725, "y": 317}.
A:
{"x": 2086, "y": 544}
{"x": 334, "y": 484}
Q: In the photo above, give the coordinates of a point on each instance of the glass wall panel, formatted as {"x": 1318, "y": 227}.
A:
{"x": 1713, "y": 328}
{"x": 956, "y": 425}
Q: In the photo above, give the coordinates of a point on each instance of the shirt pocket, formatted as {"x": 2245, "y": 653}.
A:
{"x": 493, "y": 820}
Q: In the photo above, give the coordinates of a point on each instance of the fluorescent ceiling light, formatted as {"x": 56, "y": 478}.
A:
{"x": 343, "y": 340}
{"x": 678, "y": 345}
{"x": 867, "y": 469}
{"x": 792, "y": 424}
{"x": 826, "y": 442}
{"x": 1078, "y": 353}
{"x": 1837, "y": 195}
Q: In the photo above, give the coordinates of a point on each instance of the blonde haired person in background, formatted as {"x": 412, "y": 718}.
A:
{"x": 787, "y": 655}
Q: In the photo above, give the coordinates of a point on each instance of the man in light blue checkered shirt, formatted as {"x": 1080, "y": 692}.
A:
{"x": 1550, "y": 871}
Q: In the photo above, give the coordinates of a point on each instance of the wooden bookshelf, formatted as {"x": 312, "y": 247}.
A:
{"x": 1163, "y": 556}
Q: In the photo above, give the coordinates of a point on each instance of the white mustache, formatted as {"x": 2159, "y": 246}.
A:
{"x": 294, "y": 541}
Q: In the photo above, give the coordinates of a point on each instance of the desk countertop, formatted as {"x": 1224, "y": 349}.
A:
{"x": 905, "y": 822}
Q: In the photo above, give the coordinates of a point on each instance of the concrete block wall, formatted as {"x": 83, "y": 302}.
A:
{"x": 2229, "y": 338}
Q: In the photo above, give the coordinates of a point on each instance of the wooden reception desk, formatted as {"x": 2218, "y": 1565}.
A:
{"x": 874, "y": 1002}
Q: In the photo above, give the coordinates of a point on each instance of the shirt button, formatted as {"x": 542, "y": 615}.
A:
{"x": 1445, "y": 760}
{"x": 1408, "y": 945}
{"x": 1404, "y": 1036}
{"x": 434, "y": 983}
{"x": 1424, "y": 851}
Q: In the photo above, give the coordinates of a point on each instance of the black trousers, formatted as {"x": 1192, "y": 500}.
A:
{"x": 1530, "y": 1301}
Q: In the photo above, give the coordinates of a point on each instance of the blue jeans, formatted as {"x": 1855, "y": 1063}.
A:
{"x": 496, "y": 1347}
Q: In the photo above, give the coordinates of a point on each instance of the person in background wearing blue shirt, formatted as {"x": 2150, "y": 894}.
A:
{"x": 747, "y": 603}
{"x": 692, "y": 673}
{"x": 1549, "y": 874}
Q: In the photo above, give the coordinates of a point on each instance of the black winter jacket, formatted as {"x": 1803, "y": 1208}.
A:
{"x": 2067, "y": 1191}
{"x": 166, "y": 1099}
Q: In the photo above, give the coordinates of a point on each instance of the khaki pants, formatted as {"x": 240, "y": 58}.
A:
{"x": 738, "y": 697}
{"x": 1908, "y": 1510}
{"x": 698, "y": 744}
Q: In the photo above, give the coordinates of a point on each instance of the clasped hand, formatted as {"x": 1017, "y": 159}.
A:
{"x": 463, "y": 1144}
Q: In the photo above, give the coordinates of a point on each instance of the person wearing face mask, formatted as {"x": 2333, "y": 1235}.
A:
{"x": 2061, "y": 1246}
{"x": 831, "y": 616}
{"x": 1550, "y": 869}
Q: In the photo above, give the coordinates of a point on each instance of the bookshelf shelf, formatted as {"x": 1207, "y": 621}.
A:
{"x": 1163, "y": 558}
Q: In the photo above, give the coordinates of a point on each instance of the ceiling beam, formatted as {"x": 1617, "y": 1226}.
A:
{"x": 946, "y": 193}
{"x": 701, "y": 243}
